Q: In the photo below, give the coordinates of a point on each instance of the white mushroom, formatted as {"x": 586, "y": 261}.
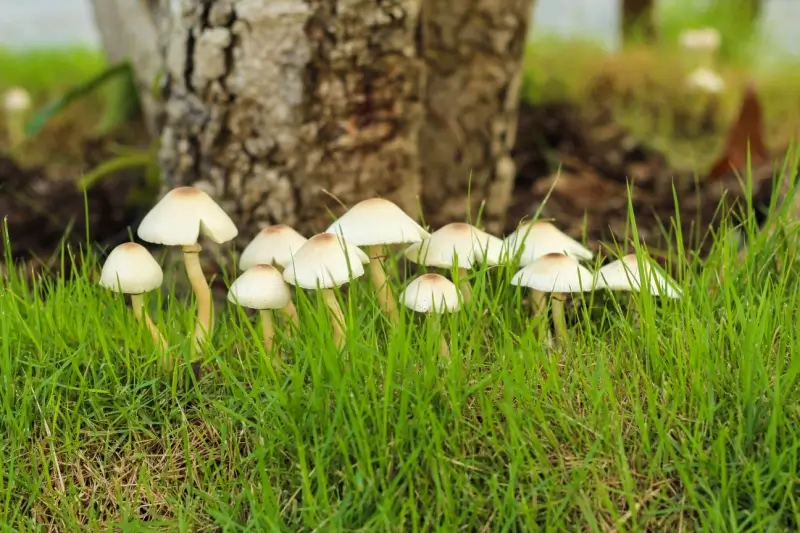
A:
{"x": 130, "y": 269}
{"x": 625, "y": 274}
{"x": 180, "y": 218}
{"x": 536, "y": 239}
{"x": 432, "y": 295}
{"x": 16, "y": 104}
{"x": 326, "y": 261}
{"x": 556, "y": 274}
{"x": 456, "y": 245}
{"x": 261, "y": 287}
{"x": 374, "y": 224}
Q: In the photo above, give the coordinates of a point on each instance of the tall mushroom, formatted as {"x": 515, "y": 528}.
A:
{"x": 261, "y": 287}
{"x": 376, "y": 223}
{"x": 556, "y": 274}
{"x": 130, "y": 269}
{"x": 432, "y": 295}
{"x": 274, "y": 245}
{"x": 324, "y": 262}
{"x": 456, "y": 245}
{"x": 180, "y": 218}
{"x": 16, "y": 104}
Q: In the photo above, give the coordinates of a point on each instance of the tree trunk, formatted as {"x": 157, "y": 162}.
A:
{"x": 473, "y": 51}
{"x": 638, "y": 20}
{"x": 271, "y": 104}
{"x": 128, "y": 32}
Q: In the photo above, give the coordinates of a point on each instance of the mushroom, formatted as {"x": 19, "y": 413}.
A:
{"x": 16, "y": 103}
{"x": 556, "y": 274}
{"x": 326, "y": 261}
{"x": 374, "y": 224}
{"x": 453, "y": 245}
{"x": 130, "y": 269}
{"x": 624, "y": 274}
{"x": 532, "y": 240}
{"x": 179, "y": 219}
{"x": 261, "y": 287}
{"x": 432, "y": 295}
{"x": 274, "y": 245}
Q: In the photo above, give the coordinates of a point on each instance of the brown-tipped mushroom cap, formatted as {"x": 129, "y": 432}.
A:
{"x": 625, "y": 275}
{"x": 274, "y": 245}
{"x": 454, "y": 244}
{"x": 182, "y": 216}
{"x": 260, "y": 287}
{"x": 131, "y": 269}
{"x": 325, "y": 261}
{"x": 431, "y": 293}
{"x": 539, "y": 238}
{"x": 555, "y": 273}
{"x": 377, "y": 221}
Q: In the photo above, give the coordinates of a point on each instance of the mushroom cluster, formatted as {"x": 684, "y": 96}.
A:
{"x": 279, "y": 257}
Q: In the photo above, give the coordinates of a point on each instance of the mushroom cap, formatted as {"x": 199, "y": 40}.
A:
{"x": 624, "y": 275}
{"x": 555, "y": 273}
{"x": 489, "y": 249}
{"x": 377, "y": 221}
{"x": 16, "y": 99}
{"x": 700, "y": 39}
{"x": 431, "y": 293}
{"x": 706, "y": 79}
{"x": 182, "y": 215}
{"x": 454, "y": 244}
{"x": 260, "y": 287}
{"x": 539, "y": 238}
{"x": 322, "y": 262}
{"x": 274, "y": 245}
{"x": 130, "y": 269}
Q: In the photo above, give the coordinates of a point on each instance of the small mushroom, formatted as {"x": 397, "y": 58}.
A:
{"x": 456, "y": 245}
{"x": 376, "y": 223}
{"x": 16, "y": 104}
{"x": 130, "y": 269}
{"x": 274, "y": 245}
{"x": 326, "y": 261}
{"x": 432, "y": 295}
{"x": 625, "y": 274}
{"x": 535, "y": 239}
{"x": 556, "y": 274}
{"x": 261, "y": 287}
{"x": 179, "y": 219}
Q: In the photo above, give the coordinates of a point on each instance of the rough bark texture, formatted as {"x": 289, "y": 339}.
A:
{"x": 638, "y": 19}
{"x": 473, "y": 50}
{"x": 269, "y": 103}
{"x": 128, "y": 32}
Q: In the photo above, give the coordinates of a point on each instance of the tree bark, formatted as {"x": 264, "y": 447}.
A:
{"x": 638, "y": 19}
{"x": 272, "y": 103}
{"x": 473, "y": 51}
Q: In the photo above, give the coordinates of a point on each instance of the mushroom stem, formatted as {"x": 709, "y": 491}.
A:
{"x": 538, "y": 302}
{"x": 267, "y": 329}
{"x": 202, "y": 291}
{"x": 137, "y": 302}
{"x": 436, "y": 329}
{"x": 559, "y": 321}
{"x": 378, "y": 273}
{"x": 463, "y": 284}
{"x": 291, "y": 311}
{"x": 539, "y": 306}
{"x": 337, "y": 316}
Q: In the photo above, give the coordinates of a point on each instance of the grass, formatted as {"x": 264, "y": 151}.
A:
{"x": 658, "y": 415}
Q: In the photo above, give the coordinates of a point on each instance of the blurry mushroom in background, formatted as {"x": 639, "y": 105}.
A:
{"x": 324, "y": 262}
{"x": 706, "y": 80}
{"x": 454, "y": 245}
{"x": 532, "y": 240}
{"x": 375, "y": 224}
{"x": 16, "y": 104}
{"x": 274, "y": 245}
{"x": 556, "y": 274}
{"x": 701, "y": 45}
{"x": 130, "y": 269}
{"x": 263, "y": 288}
{"x": 432, "y": 295}
{"x": 180, "y": 218}
{"x": 625, "y": 274}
